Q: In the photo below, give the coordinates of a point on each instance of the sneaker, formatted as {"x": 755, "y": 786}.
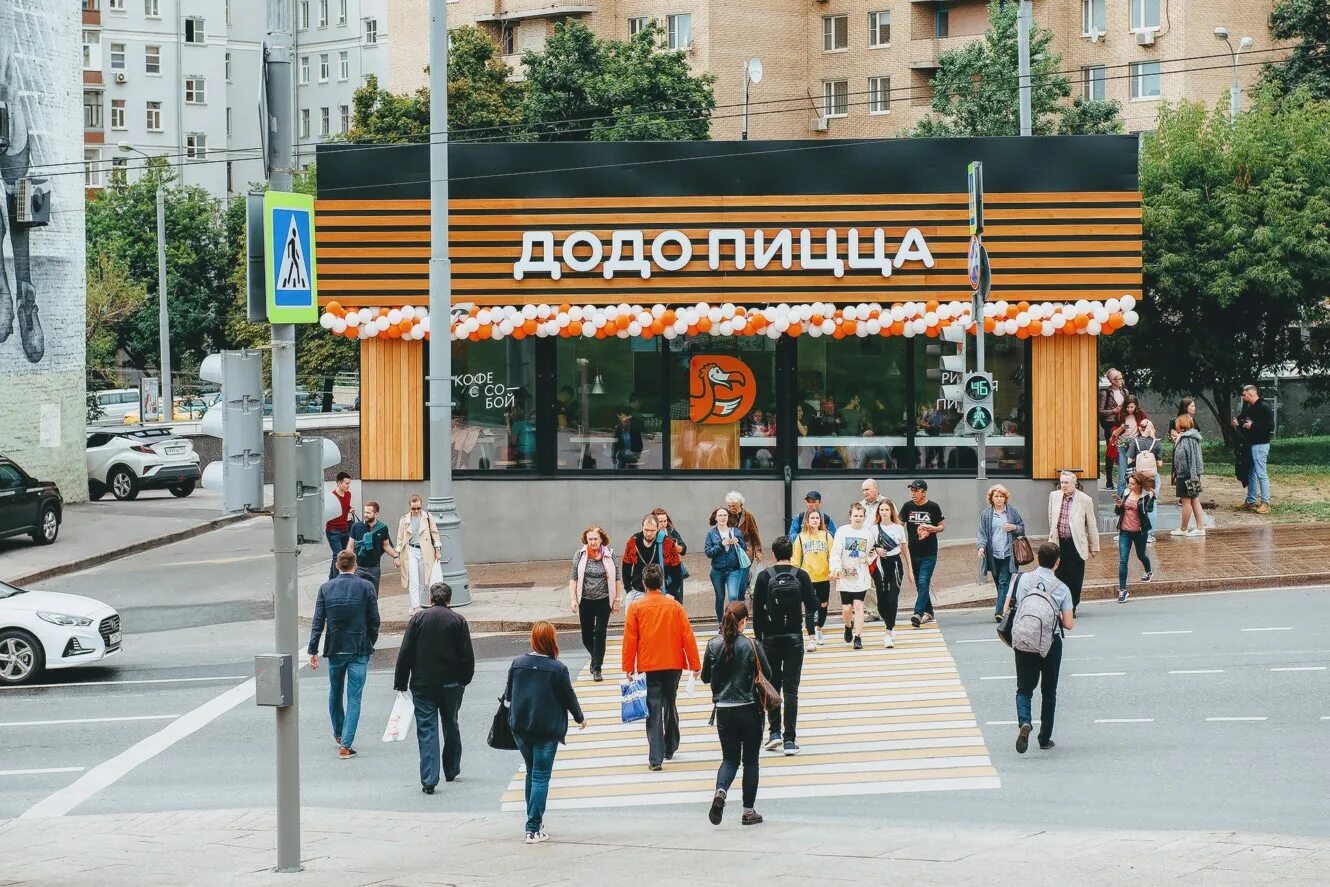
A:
{"x": 346, "y": 754}
{"x": 811, "y": 645}
{"x": 1178, "y": 532}
{"x": 1147, "y": 577}
{"x": 1045, "y": 746}
{"x": 655, "y": 768}
{"x": 889, "y": 640}
{"x": 928, "y": 617}
{"x": 427, "y": 789}
{"x": 1192, "y": 534}
{"x": 858, "y": 642}
{"x": 819, "y": 636}
{"x": 1123, "y": 595}
{"x": 596, "y": 675}
{"x": 997, "y": 617}
{"x": 849, "y": 634}
{"x": 751, "y": 817}
{"x": 1263, "y": 508}
{"x": 1023, "y": 739}
{"x": 1247, "y": 506}
{"x": 914, "y": 620}
{"x": 1150, "y": 539}
{"x": 536, "y": 837}
{"x": 775, "y": 741}
{"x": 791, "y": 748}
{"x": 717, "y": 807}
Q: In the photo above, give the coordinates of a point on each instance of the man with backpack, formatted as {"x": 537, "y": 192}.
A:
{"x": 1043, "y": 613}
{"x": 784, "y": 607}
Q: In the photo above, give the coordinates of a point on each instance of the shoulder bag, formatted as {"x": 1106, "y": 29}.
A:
{"x": 501, "y": 733}
{"x": 744, "y": 560}
{"x": 1022, "y": 551}
{"x": 1009, "y": 614}
{"x": 767, "y": 695}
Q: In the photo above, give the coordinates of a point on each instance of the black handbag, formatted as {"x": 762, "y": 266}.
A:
{"x": 1009, "y": 615}
{"x": 501, "y": 734}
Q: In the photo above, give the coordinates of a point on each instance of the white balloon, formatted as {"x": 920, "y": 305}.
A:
{"x": 1101, "y": 317}
{"x": 773, "y": 333}
{"x": 589, "y": 330}
{"x": 1023, "y": 319}
{"x": 1010, "y": 327}
{"x": 1112, "y": 306}
{"x": 1093, "y": 328}
{"x": 326, "y": 321}
{"x": 944, "y": 312}
{"x": 417, "y": 332}
{"x": 874, "y": 326}
{"x": 1131, "y": 318}
{"x": 723, "y": 328}
{"x": 338, "y": 325}
{"x": 1057, "y": 322}
{"x": 363, "y": 331}
{"x": 352, "y": 318}
{"x": 394, "y": 317}
{"x": 575, "y": 312}
{"x": 1000, "y": 307}
{"x": 598, "y": 320}
{"x": 634, "y": 329}
{"x": 930, "y": 319}
{"x": 424, "y": 324}
{"x": 544, "y": 311}
{"x": 529, "y": 312}
{"x": 669, "y": 333}
{"x": 850, "y": 313}
{"x": 828, "y": 327}
{"x": 909, "y": 332}
{"x": 738, "y": 323}
{"x": 563, "y": 320}
{"x": 657, "y": 312}
{"x": 1128, "y": 302}
{"x": 1047, "y": 330}
{"x": 815, "y": 331}
{"x": 680, "y": 327}
{"x": 861, "y": 330}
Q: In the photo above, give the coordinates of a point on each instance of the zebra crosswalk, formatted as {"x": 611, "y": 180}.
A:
{"x": 871, "y": 721}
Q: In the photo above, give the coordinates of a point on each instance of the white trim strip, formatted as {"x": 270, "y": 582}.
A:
{"x": 998, "y": 677}
{"x": 1275, "y": 628}
{"x": 1097, "y": 674}
{"x": 1178, "y": 631}
{"x": 710, "y": 754}
{"x": 1124, "y": 720}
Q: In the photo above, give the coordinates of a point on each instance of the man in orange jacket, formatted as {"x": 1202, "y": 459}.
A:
{"x": 658, "y": 640}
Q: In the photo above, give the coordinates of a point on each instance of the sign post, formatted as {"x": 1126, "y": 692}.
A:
{"x": 978, "y": 411}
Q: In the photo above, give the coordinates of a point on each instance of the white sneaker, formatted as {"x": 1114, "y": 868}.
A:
{"x": 888, "y": 640}
{"x": 819, "y": 636}
{"x": 811, "y": 645}
{"x": 1178, "y": 532}
{"x": 536, "y": 837}
{"x": 1195, "y": 533}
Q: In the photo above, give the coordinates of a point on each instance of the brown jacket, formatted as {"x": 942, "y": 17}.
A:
{"x": 747, "y": 526}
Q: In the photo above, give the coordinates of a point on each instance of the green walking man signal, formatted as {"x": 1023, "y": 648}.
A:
{"x": 977, "y": 407}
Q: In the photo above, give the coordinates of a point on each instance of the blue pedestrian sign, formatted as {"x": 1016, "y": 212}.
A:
{"x": 290, "y": 269}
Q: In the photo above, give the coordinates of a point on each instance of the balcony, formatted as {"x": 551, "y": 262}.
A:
{"x": 925, "y": 53}
{"x": 517, "y": 10}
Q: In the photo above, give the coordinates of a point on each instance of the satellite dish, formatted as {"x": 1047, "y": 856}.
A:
{"x": 755, "y": 70}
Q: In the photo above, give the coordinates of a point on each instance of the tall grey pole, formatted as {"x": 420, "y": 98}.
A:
{"x": 1024, "y": 18}
{"x": 1234, "y": 91}
{"x": 743, "y": 136}
{"x": 163, "y": 317}
{"x": 441, "y": 503}
{"x": 281, "y": 160}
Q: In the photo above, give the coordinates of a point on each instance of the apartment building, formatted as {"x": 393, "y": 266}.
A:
{"x": 181, "y": 78}
{"x": 861, "y": 68}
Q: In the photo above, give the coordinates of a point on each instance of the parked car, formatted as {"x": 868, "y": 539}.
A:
{"x": 125, "y": 462}
{"x": 187, "y": 409}
{"x": 114, "y": 404}
{"x": 28, "y": 505}
{"x": 41, "y": 630}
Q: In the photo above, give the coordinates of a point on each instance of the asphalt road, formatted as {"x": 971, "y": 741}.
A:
{"x": 1140, "y": 740}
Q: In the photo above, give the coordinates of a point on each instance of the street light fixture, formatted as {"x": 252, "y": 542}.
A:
{"x": 1235, "y": 91}
{"x": 163, "y": 318}
{"x": 752, "y": 74}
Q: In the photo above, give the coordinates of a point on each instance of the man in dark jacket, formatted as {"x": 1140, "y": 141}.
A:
{"x": 436, "y": 662}
{"x": 348, "y": 607}
{"x": 1257, "y": 424}
{"x": 784, "y": 606}
{"x": 651, "y": 546}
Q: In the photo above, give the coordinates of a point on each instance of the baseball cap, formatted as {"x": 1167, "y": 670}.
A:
{"x": 813, "y": 494}
{"x": 919, "y": 485}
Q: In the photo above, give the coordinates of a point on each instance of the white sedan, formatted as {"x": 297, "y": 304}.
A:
{"x": 42, "y": 630}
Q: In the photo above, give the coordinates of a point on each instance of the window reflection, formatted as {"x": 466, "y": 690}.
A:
{"x": 852, "y": 408}
{"x": 723, "y": 409}
{"x": 607, "y": 405}
{"x": 494, "y": 417}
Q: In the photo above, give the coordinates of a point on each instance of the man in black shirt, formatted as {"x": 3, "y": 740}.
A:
{"x": 784, "y": 606}
{"x": 368, "y": 540}
{"x": 1257, "y": 422}
{"x": 923, "y": 521}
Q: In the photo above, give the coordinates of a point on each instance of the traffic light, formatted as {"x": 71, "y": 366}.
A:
{"x": 977, "y": 404}
{"x": 313, "y": 456}
{"x": 236, "y": 418}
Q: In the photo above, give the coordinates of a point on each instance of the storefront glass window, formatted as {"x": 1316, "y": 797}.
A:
{"x": 494, "y": 416}
{"x": 939, "y": 446}
{"x": 852, "y": 408}
{"x": 1005, "y": 358}
{"x": 723, "y": 403}
{"x": 608, "y": 408}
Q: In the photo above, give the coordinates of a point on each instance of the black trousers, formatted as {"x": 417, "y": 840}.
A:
{"x": 823, "y": 592}
{"x": 740, "y": 731}
{"x": 662, "y": 714}
{"x": 785, "y": 654}
{"x": 1033, "y": 670}
{"x": 1109, "y": 461}
{"x": 595, "y": 616}
{"x": 1071, "y": 570}
{"x": 888, "y": 582}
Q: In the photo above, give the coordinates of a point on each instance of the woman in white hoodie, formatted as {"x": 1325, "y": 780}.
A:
{"x": 593, "y": 593}
{"x": 851, "y": 554}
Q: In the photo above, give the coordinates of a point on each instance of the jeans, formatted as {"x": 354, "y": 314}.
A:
{"x": 337, "y": 540}
{"x": 1071, "y": 570}
{"x": 538, "y": 755}
{"x": 371, "y": 574}
{"x": 1126, "y": 539}
{"x": 923, "y": 578}
{"x": 740, "y": 730}
{"x": 729, "y": 587}
{"x": 1258, "y": 479}
{"x": 346, "y": 674}
{"x": 1122, "y": 468}
{"x": 662, "y": 715}
{"x": 785, "y": 654}
{"x": 1001, "y": 580}
{"x": 429, "y": 710}
{"x": 595, "y": 616}
{"x": 1031, "y": 671}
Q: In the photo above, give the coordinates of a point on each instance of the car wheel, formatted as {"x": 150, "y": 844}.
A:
{"x": 124, "y": 485}
{"x": 182, "y": 490}
{"x": 21, "y": 657}
{"x": 48, "y": 527}
{"x": 96, "y": 490}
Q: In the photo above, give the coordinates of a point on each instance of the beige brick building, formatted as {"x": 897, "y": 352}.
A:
{"x": 860, "y": 68}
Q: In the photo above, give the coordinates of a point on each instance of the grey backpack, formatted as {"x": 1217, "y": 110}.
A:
{"x": 1035, "y": 625}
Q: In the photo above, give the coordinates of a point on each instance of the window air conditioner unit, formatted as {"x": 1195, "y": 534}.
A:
{"x": 819, "y": 124}
{"x": 31, "y": 202}
{"x": 4, "y": 126}
{"x": 122, "y": 77}
{"x": 1145, "y": 38}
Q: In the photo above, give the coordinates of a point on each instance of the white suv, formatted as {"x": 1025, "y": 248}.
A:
{"x": 125, "y": 462}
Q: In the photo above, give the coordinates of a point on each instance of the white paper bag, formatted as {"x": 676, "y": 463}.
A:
{"x": 399, "y": 722}
{"x": 435, "y": 576}
{"x": 689, "y": 688}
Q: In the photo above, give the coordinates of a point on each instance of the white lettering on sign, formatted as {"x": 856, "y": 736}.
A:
{"x": 496, "y": 395}
{"x": 584, "y": 252}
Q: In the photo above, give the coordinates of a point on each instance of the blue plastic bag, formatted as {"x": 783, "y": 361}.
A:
{"x": 633, "y": 706}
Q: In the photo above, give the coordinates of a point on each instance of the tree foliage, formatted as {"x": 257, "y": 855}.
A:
{"x": 113, "y": 296}
{"x": 1308, "y": 66}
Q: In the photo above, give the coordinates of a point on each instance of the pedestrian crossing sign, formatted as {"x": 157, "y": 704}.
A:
{"x": 290, "y": 268}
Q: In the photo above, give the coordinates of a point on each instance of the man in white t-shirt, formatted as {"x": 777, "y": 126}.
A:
{"x": 851, "y": 555}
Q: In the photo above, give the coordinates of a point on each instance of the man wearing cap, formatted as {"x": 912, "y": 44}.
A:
{"x": 923, "y": 521}
{"x": 870, "y": 501}
{"x": 813, "y": 501}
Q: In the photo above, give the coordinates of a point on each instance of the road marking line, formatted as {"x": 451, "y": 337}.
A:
{"x": 1077, "y": 637}
{"x": 1006, "y": 723}
{"x": 1197, "y": 671}
{"x": 228, "y": 677}
{"x": 1237, "y": 719}
{"x": 1301, "y": 668}
{"x": 42, "y": 770}
{"x": 90, "y": 721}
{"x": 1098, "y": 674}
{"x": 1325, "y": 717}
{"x": 978, "y": 641}
{"x": 1124, "y": 720}
{"x": 1180, "y": 631}
{"x": 998, "y": 677}
{"x": 1278, "y": 628}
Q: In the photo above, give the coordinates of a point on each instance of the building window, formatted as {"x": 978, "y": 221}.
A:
{"x": 194, "y": 31}
{"x": 637, "y": 24}
{"x": 852, "y": 409}
{"x": 228, "y": 12}
{"x": 227, "y": 66}
{"x": 942, "y": 23}
{"x": 196, "y": 92}
{"x": 303, "y": 12}
{"x": 344, "y": 65}
{"x": 118, "y": 167}
{"x": 230, "y": 177}
{"x": 154, "y": 120}
{"x": 323, "y": 13}
{"x": 116, "y": 5}
{"x": 879, "y": 95}
{"x": 92, "y": 168}
{"x": 196, "y": 146}
{"x": 610, "y": 404}
{"x": 835, "y": 98}
{"x": 118, "y": 114}
{"x": 152, "y": 59}
{"x": 304, "y": 70}
{"x": 680, "y": 31}
{"x": 1095, "y": 81}
{"x": 494, "y": 420}
{"x": 1144, "y": 15}
{"x": 228, "y": 123}
{"x": 508, "y": 38}
{"x": 324, "y": 122}
{"x": 325, "y": 67}
{"x": 341, "y": 12}
{"x": 740, "y": 440}
{"x": 1144, "y": 79}
{"x": 835, "y": 32}
{"x": 92, "y": 49}
{"x": 371, "y": 31}
{"x": 879, "y": 29}
{"x": 1094, "y": 16}
{"x": 346, "y": 118}
{"x": 92, "y": 110}
{"x": 304, "y": 123}
{"x": 152, "y": 9}
{"x": 92, "y": 5}
{"x": 117, "y": 56}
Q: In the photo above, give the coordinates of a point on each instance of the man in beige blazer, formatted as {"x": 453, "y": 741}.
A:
{"x": 1073, "y": 528}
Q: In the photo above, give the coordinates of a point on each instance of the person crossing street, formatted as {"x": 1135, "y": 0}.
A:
{"x": 923, "y": 522}
{"x": 784, "y": 605}
{"x": 348, "y": 608}
{"x": 1044, "y": 612}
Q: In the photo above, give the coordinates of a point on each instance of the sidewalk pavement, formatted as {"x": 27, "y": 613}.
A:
{"x": 361, "y": 847}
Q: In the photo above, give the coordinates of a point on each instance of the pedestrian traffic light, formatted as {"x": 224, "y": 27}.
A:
{"x": 236, "y": 418}
{"x": 313, "y": 456}
{"x": 977, "y": 405}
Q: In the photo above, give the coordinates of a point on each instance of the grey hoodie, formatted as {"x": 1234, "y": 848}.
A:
{"x": 1187, "y": 463}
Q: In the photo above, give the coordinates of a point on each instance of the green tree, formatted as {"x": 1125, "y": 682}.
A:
{"x": 112, "y": 298}
{"x": 1308, "y": 65}
{"x": 976, "y": 88}
{"x": 1237, "y": 249}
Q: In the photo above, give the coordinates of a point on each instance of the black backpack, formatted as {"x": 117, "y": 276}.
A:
{"x": 785, "y": 606}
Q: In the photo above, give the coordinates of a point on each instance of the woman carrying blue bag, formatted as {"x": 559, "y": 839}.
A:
{"x": 724, "y": 546}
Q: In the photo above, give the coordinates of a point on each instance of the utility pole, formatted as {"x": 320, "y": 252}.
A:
{"x": 1024, "y": 21}
{"x": 281, "y": 159}
{"x": 441, "y": 503}
{"x": 163, "y": 318}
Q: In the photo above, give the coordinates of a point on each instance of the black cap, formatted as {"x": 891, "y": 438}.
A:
{"x": 919, "y": 485}
{"x": 813, "y": 494}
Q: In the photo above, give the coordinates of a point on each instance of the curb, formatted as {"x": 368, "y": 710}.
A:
{"x": 105, "y": 557}
{"x": 1103, "y": 592}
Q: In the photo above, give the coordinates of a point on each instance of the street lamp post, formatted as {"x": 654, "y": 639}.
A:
{"x": 1234, "y": 91}
{"x": 752, "y": 74}
{"x": 163, "y": 318}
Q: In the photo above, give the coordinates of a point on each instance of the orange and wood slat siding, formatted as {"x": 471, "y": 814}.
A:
{"x": 392, "y": 411}
{"x": 1064, "y": 389}
{"x": 1056, "y": 246}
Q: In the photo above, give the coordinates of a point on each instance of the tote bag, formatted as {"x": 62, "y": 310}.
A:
{"x": 633, "y": 702}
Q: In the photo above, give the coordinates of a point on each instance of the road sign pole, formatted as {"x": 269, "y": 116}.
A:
{"x": 981, "y": 289}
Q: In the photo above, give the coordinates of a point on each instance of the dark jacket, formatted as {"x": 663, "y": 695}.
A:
{"x": 983, "y": 537}
{"x": 1262, "y": 422}
{"x": 1145, "y": 506}
{"x": 436, "y": 652}
{"x": 722, "y": 558}
{"x": 1108, "y": 407}
{"x": 731, "y": 677}
{"x": 637, "y": 554}
{"x": 797, "y": 525}
{"x": 349, "y": 609}
{"x": 762, "y": 603}
{"x": 540, "y": 695}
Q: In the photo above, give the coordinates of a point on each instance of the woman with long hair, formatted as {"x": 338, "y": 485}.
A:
{"x": 730, "y": 668}
{"x": 1188, "y": 465}
{"x": 593, "y": 593}
{"x": 812, "y": 553}
{"x": 892, "y": 565}
{"x": 540, "y": 697}
{"x": 1133, "y": 527}
{"x": 418, "y": 550}
{"x": 722, "y": 547}
{"x": 1130, "y": 417}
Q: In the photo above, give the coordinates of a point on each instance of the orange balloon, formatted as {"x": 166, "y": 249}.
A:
{"x": 1116, "y": 321}
{"x": 816, "y": 320}
{"x": 838, "y": 334}
{"x": 704, "y": 324}
{"x": 1082, "y": 322}
{"x": 1022, "y": 307}
{"x": 351, "y": 333}
{"x": 600, "y": 333}
{"x": 383, "y": 312}
{"x": 529, "y": 327}
{"x": 472, "y": 311}
{"x": 850, "y": 327}
{"x": 474, "y": 337}
{"x": 931, "y": 332}
{"x": 669, "y": 316}
{"x": 897, "y": 327}
{"x": 931, "y": 307}
{"x": 1036, "y": 328}
{"x": 519, "y": 334}
{"x": 657, "y": 326}
{"x": 692, "y": 330}
{"x": 574, "y": 328}
{"x": 393, "y": 332}
{"x": 795, "y": 329}
{"x": 486, "y": 332}
{"x": 334, "y": 308}
{"x": 405, "y": 326}
{"x": 565, "y": 308}
{"x": 874, "y": 313}
{"x": 1023, "y": 333}
{"x": 989, "y": 324}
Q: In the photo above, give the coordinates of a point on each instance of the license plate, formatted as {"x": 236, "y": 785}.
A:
{"x": 115, "y": 639}
{"x": 174, "y": 451}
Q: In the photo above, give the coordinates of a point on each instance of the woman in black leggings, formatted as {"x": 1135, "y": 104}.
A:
{"x": 593, "y": 593}
{"x": 730, "y": 667}
{"x": 893, "y": 564}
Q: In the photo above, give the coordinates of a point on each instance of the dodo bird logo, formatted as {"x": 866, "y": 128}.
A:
{"x": 721, "y": 389}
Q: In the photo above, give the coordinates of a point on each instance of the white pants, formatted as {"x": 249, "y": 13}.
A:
{"x": 416, "y": 589}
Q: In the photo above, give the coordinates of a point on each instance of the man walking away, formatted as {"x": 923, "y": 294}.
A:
{"x": 923, "y": 521}
{"x": 1072, "y": 527}
{"x": 369, "y": 542}
{"x": 338, "y": 529}
{"x": 784, "y": 606}
{"x": 1257, "y": 422}
{"x": 658, "y": 641}
{"x": 436, "y": 663}
{"x": 349, "y": 608}
{"x": 1043, "y": 613}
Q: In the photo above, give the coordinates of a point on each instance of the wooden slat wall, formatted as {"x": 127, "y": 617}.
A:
{"x": 1064, "y": 391}
{"x": 392, "y": 410}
